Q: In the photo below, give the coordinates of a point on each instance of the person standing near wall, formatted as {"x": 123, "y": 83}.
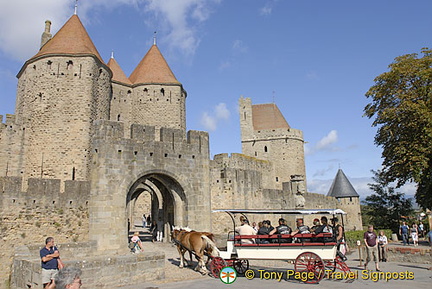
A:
{"x": 159, "y": 230}
{"x": 49, "y": 261}
{"x": 382, "y": 246}
{"x": 144, "y": 221}
{"x": 403, "y": 231}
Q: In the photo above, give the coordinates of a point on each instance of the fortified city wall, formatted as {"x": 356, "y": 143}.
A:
{"x": 28, "y": 217}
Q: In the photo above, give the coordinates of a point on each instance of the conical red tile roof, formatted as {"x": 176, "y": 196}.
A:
{"x": 268, "y": 116}
{"x": 118, "y": 74}
{"x": 153, "y": 69}
{"x": 72, "y": 38}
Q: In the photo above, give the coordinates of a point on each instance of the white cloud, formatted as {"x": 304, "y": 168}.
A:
{"x": 239, "y": 46}
{"x": 181, "y": 19}
{"x": 224, "y": 65}
{"x": 22, "y": 21}
{"x": 327, "y": 141}
{"x": 324, "y": 144}
{"x": 209, "y": 122}
{"x": 220, "y": 112}
{"x": 268, "y": 8}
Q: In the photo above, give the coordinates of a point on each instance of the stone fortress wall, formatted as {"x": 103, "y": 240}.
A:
{"x": 28, "y": 217}
{"x": 82, "y": 147}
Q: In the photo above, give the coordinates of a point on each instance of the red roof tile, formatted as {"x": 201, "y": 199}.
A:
{"x": 118, "y": 74}
{"x": 72, "y": 38}
{"x": 153, "y": 69}
{"x": 268, "y": 116}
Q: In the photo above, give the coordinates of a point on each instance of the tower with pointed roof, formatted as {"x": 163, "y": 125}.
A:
{"x": 348, "y": 199}
{"x": 158, "y": 98}
{"x": 265, "y": 134}
{"x": 62, "y": 91}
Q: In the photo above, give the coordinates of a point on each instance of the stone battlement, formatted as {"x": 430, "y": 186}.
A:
{"x": 43, "y": 193}
{"x": 278, "y": 133}
{"x": 148, "y": 140}
{"x": 240, "y": 161}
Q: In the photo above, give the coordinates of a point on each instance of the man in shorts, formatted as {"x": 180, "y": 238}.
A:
{"x": 49, "y": 256}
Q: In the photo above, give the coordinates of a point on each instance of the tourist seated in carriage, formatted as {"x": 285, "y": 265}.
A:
{"x": 245, "y": 229}
{"x": 282, "y": 229}
{"x": 301, "y": 229}
{"x": 264, "y": 230}
{"x": 316, "y": 225}
{"x": 324, "y": 228}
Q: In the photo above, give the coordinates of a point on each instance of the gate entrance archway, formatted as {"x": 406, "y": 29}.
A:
{"x": 167, "y": 200}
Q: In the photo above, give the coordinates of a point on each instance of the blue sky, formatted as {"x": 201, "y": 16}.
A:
{"x": 315, "y": 59}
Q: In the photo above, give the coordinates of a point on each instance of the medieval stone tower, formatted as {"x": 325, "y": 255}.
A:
{"x": 88, "y": 146}
{"x": 62, "y": 90}
{"x": 265, "y": 134}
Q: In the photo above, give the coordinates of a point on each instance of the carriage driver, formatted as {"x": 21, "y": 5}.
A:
{"x": 245, "y": 229}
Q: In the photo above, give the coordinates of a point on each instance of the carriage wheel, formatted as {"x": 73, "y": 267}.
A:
{"x": 241, "y": 266}
{"x": 216, "y": 265}
{"x": 310, "y": 262}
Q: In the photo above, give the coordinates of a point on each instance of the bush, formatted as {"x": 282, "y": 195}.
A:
{"x": 352, "y": 236}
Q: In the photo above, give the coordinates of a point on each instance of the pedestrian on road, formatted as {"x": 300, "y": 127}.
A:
{"x": 403, "y": 231}
{"x": 370, "y": 240}
{"x": 382, "y": 246}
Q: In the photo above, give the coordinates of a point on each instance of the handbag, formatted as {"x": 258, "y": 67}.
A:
{"x": 60, "y": 264}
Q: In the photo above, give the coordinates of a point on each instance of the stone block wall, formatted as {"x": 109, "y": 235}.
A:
{"x": 177, "y": 160}
{"x": 29, "y": 217}
{"x": 284, "y": 148}
{"x": 98, "y": 271}
{"x": 159, "y": 105}
{"x": 58, "y": 98}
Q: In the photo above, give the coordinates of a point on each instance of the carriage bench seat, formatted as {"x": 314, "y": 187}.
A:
{"x": 273, "y": 240}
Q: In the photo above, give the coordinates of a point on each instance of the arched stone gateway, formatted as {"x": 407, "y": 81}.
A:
{"x": 167, "y": 200}
{"x": 174, "y": 170}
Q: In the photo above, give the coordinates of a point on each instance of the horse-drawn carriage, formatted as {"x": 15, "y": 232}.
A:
{"x": 311, "y": 253}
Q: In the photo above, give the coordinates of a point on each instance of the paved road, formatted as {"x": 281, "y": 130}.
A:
{"x": 419, "y": 275}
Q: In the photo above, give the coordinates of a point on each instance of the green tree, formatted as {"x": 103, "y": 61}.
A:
{"x": 386, "y": 207}
{"x": 401, "y": 105}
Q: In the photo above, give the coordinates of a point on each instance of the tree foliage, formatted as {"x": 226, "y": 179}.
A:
{"x": 386, "y": 207}
{"x": 401, "y": 105}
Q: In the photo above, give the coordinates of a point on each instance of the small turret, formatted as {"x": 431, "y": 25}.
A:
{"x": 46, "y": 35}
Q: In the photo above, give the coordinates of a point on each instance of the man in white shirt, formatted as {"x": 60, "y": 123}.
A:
{"x": 246, "y": 229}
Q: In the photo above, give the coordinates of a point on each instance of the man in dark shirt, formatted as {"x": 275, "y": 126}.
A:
{"x": 264, "y": 230}
{"x": 282, "y": 229}
{"x": 370, "y": 240}
{"x": 403, "y": 231}
{"x": 49, "y": 256}
{"x": 324, "y": 228}
{"x": 301, "y": 229}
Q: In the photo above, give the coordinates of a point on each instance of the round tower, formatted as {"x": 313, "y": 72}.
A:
{"x": 62, "y": 90}
{"x": 158, "y": 98}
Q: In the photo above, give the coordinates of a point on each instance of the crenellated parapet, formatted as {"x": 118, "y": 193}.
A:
{"x": 150, "y": 139}
{"x": 42, "y": 193}
{"x": 277, "y": 133}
